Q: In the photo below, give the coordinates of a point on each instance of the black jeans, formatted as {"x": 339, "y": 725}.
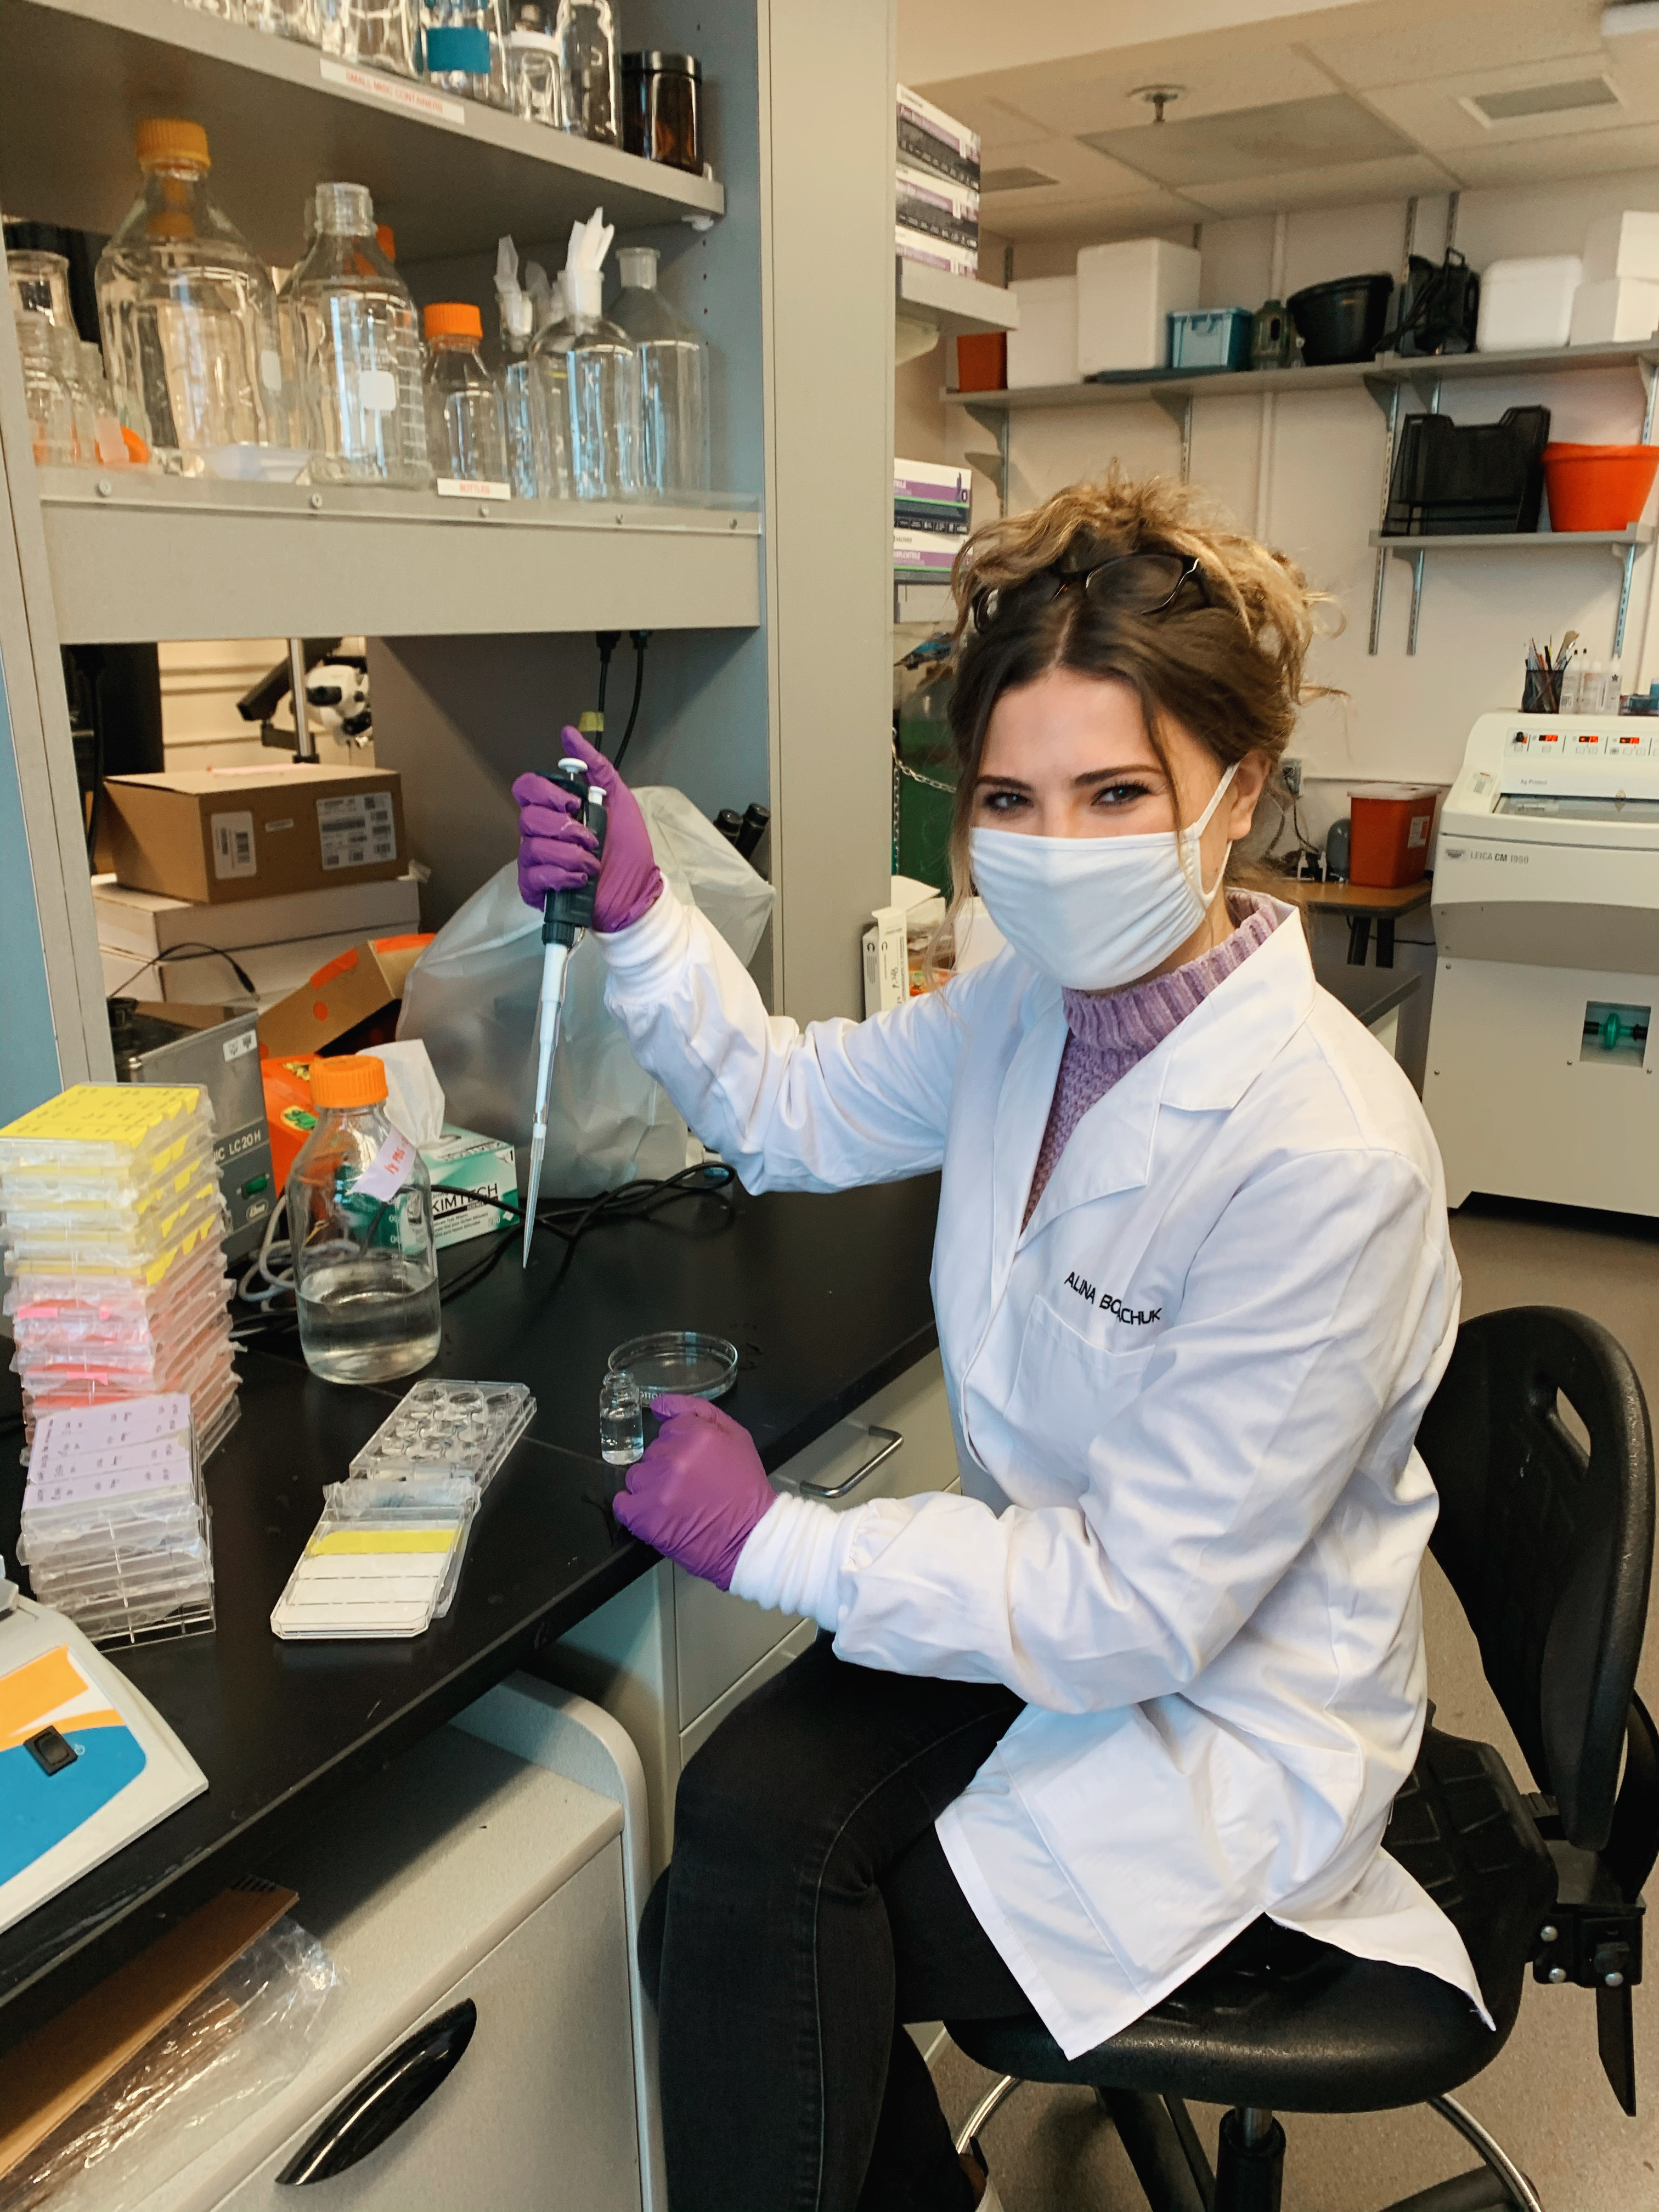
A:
{"x": 809, "y": 1911}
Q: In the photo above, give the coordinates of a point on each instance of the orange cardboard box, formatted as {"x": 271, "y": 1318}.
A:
{"x": 214, "y": 836}
{"x": 353, "y": 988}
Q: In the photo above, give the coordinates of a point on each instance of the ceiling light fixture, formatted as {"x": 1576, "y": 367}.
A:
{"x": 1157, "y": 97}
{"x": 1521, "y": 102}
{"x": 1624, "y": 16}
{"x": 1012, "y": 180}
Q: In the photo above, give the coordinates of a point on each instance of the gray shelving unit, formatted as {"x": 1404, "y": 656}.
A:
{"x": 480, "y": 617}
{"x": 1387, "y": 378}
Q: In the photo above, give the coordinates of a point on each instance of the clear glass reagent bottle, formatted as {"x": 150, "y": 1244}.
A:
{"x": 188, "y": 314}
{"x": 360, "y": 1224}
{"x": 360, "y": 349}
{"x": 674, "y": 378}
{"x": 465, "y": 435}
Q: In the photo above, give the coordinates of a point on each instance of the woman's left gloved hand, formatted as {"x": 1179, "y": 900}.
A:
{"x": 699, "y": 1491}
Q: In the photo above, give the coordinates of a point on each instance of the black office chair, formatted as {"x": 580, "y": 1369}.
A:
{"x": 1548, "y": 1548}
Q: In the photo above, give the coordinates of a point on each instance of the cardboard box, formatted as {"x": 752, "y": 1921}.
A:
{"x": 219, "y": 835}
{"x": 189, "y": 978}
{"x": 1125, "y": 294}
{"x": 352, "y": 989}
{"x": 1626, "y": 245}
{"x": 462, "y": 1160}
{"x": 146, "y": 923}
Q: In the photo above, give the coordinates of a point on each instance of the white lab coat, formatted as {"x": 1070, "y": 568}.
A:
{"x": 1184, "y": 1399}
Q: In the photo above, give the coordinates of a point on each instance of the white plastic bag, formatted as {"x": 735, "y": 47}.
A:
{"x": 471, "y": 996}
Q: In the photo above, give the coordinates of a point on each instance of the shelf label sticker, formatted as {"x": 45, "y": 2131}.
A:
{"x": 396, "y": 91}
{"x": 472, "y": 488}
{"x": 232, "y": 845}
{"x": 356, "y": 830}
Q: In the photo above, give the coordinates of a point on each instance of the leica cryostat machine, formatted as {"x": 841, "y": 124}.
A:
{"x": 1543, "y": 1075}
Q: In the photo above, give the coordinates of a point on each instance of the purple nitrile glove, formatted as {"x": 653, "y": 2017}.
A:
{"x": 556, "y": 852}
{"x": 699, "y": 1491}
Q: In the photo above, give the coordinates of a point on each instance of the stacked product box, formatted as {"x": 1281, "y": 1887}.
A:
{"x": 931, "y": 509}
{"x": 112, "y": 1225}
{"x": 936, "y": 188}
{"x": 115, "y": 1527}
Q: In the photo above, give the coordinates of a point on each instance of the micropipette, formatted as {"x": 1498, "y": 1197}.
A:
{"x": 565, "y": 919}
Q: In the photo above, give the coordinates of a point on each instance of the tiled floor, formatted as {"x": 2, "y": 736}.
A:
{"x": 1545, "y": 2096}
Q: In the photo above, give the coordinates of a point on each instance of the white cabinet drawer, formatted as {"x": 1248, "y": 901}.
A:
{"x": 719, "y": 1637}
{"x": 544, "y": 2089}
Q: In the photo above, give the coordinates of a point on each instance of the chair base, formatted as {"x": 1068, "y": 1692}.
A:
{"x": 1163, "y": 2145}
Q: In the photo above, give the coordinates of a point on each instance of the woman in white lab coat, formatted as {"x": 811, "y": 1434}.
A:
{"x": 1158, "y": 1672}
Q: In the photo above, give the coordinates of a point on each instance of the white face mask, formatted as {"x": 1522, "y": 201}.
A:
{"x": 1095, "y": 912}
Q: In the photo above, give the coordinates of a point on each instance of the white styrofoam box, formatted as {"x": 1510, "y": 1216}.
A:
{"x": 1625, "y": 245}
{"x": 1043, "y": 349}
{"x": 1526, "y": 303}
{"x": 1125, "y": 294}
{"x": 1615, "y": 311}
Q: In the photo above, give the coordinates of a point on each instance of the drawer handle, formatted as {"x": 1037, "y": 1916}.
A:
{"x": 379, "y": 2105}
{"x": 890, "y": 1442}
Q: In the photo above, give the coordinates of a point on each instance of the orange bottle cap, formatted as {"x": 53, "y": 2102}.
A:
{"x": 453, "y": 319}
{"x": 349, "y": 1079}
{"x": 162, "y": 138}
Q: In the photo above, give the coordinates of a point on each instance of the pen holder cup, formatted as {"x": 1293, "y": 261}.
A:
{"x": 1538, "y": 691}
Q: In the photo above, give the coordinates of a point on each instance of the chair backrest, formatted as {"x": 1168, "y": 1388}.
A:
{"x": 1548, "y": 1545}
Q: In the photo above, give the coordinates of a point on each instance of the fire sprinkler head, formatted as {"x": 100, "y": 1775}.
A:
{"x": 1157, "y": 97}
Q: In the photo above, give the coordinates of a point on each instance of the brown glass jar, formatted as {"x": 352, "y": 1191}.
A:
{"x": 662, "y": 108}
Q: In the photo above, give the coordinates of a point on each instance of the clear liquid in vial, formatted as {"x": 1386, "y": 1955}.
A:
{"x": 622, "y": 1421}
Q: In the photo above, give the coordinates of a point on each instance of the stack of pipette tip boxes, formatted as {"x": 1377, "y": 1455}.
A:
{"x": 115, "y": 1530}
{"x": 112, "y": 1225}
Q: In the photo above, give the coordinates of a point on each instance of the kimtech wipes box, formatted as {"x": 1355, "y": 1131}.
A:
{"x": 218, "y": 834}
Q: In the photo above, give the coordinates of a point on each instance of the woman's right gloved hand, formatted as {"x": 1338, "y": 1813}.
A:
{"x": 556, "y": 852}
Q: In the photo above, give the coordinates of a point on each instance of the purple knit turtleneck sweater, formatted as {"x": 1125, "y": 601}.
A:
{"x": 1109, "y": 1032}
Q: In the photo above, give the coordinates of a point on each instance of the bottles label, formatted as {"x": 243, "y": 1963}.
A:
{"x": 377, "y": 391}
{"x": 389, "y": 1171}
{"x": 472, "y": 488}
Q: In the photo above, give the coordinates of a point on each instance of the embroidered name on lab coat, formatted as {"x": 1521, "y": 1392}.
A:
{"x": 1086, "y": 1291}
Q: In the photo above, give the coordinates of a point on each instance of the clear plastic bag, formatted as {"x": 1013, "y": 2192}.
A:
{"x": 228, "y": 2053}
{"x": 471, "y": 996}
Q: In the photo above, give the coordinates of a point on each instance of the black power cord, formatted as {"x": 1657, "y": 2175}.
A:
{"x": 641, "y": 638}
{"x": 607, "y": 640}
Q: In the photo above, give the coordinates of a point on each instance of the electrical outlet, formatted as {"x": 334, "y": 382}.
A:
{"x": 1290, "y": 770}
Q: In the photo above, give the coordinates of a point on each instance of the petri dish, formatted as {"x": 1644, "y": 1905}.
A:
{"x": 675, "y": 1363}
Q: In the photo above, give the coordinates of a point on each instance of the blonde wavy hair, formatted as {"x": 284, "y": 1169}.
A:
{"x": 1225, "y": 660}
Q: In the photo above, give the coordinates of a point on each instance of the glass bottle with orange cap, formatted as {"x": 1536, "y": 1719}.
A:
{"x": 465, "y": 428}
{"x": 360, "y": 1224}
{"x": 188, "y": 314}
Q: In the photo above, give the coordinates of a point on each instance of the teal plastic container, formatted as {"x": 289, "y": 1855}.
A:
{"x": 1212, "y": 338}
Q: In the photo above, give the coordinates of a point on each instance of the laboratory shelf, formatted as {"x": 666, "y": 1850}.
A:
{"x": 956, "y": 304}
{"x": 135, "y": 557}
{"x": 450, "y": 175}
{"x": 1387, "y": 370}
{"x": 1537, "y": 541}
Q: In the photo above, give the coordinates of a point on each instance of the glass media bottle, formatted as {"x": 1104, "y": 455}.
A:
{"x": 188, "y": 314}
{"x": 466, "y": 436}
{"x": 673, "y": 373}
{"x": 602, "y": 375}
{"x": 466, "y": 49}
{"x": 590, "y": 76}
{"x": 360, "y": 1224}
{"x": 361, "y": 350}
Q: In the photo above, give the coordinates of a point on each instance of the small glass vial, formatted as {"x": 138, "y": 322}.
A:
{"x": 590, "y": 81}
{"x": 533, "y": 61}
{"x": 622, "y": 1420}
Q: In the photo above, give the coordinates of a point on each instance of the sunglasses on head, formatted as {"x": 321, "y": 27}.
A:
{"x": 1139, "y": 583}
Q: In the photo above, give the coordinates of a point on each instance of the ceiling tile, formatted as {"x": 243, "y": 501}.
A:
{"x": 1095, "y": 93}
{"x": 1435, "y": 114}
{"x": 1349, "y": 186}
{"x": 1079, "y": 169}
{"x": 1055, "y": 215}
{"x": 1423, "y": 38}
{"x": 1591, "y": 154}
{"x": 999, "y": 124}
{"x": 1332, "y": 131}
